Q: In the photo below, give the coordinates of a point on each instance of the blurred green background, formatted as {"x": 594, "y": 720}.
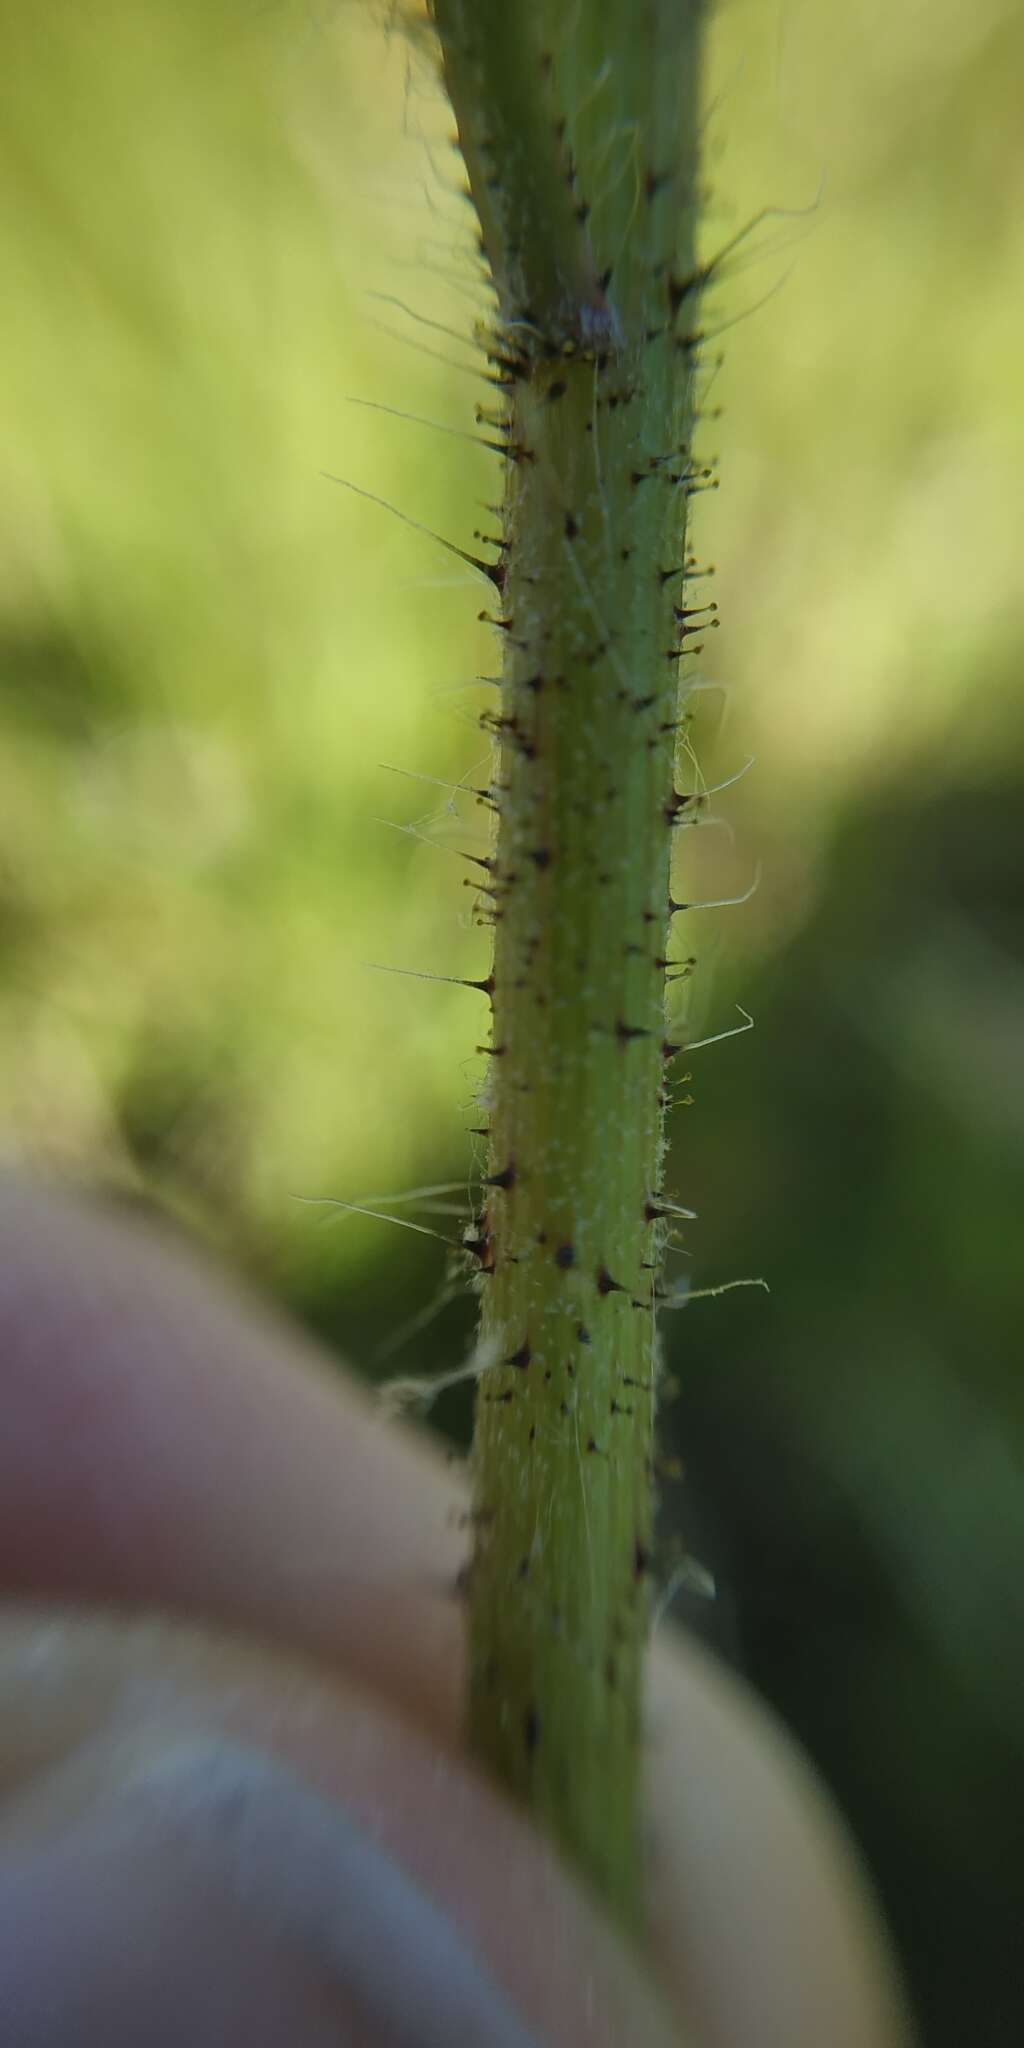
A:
{"x": 207, "y": 652}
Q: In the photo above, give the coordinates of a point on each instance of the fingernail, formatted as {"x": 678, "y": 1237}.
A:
{"x": 210, "y": 1896}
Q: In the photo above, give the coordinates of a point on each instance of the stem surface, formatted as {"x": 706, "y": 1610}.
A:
{"x": 579, "y": 132}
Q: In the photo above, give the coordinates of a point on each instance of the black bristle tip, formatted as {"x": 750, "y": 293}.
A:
{"x": 679, "y": 801}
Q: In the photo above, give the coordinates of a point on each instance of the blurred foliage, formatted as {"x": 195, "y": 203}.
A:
{"x": 207, "y": 650}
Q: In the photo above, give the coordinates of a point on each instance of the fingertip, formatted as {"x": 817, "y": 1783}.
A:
{"x": 760, "y": 1909}
{"x": 168, "y": 1440}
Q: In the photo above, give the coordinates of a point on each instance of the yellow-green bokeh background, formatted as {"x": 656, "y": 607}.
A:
{"x": 207, "y": 651}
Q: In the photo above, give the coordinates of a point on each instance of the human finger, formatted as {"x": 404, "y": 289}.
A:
{"x": 203, "y": 1840}
{"x": 170, "y": 1445}
{"x": 167, "y": 1441}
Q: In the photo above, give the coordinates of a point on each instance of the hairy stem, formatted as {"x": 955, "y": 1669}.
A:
{"x": 579, "y": 131}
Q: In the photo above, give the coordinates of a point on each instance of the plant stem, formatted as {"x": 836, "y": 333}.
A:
{"x": 579, "y": 132}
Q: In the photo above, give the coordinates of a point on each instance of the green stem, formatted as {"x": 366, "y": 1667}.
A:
{"x": 579, "y": 131}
